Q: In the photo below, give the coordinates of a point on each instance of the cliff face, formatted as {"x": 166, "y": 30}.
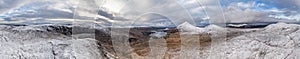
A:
{"x": 276, "y": 41}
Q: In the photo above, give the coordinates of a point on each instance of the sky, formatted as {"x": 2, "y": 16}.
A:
{"x": 148, "y": 12}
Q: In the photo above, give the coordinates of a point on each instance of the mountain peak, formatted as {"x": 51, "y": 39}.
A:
{"x": 187, "y": 27}
{"x": 185, "y": 24}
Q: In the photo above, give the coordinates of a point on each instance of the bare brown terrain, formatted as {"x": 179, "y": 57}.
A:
{"x": 140, "y": 43}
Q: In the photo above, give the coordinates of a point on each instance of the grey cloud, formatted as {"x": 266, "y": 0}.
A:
{"x": 8, "y": 4}
{"x": 106, "y": 14}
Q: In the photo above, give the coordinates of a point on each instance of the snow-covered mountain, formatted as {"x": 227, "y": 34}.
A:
{"x": 187, "y": 27}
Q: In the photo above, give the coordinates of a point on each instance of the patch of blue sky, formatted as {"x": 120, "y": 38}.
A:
{"x": 3, "y": 16}
{"x": 259, "y": 5}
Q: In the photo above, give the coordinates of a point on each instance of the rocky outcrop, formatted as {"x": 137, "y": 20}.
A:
{"x": 45, "y": 42}
{"x": 276, "y": 41}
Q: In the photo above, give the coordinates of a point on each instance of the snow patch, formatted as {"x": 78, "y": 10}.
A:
{"x": 187, "y": 27}
{"x": 158, "y": 34}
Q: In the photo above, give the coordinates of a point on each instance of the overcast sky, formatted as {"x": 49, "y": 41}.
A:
{"x": 150, "y": 12}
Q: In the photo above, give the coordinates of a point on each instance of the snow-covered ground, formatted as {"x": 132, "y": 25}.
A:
{"x": 276, "y": 41}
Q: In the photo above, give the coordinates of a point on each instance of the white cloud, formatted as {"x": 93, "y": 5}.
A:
{"x": 63, "y": 5}
{"x": 275, "y": 10}
{"x": 200, "y": 9}
{"x": 1, "y": 2}
{"x": 113, "y": 5}
{"x": 237, "y": 15}
{"x": 282, "y": 16}
{"x": 255, "y": 12}
{"x": 177, "y": 11}
{"x": 245, "y": 5}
